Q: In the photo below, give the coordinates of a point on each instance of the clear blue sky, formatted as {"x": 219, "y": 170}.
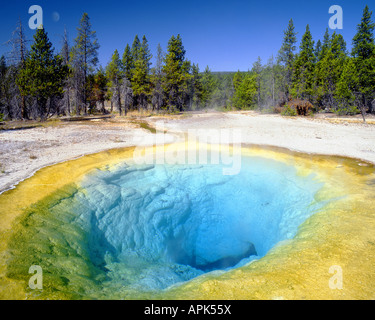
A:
{"x": 225, "y": 35}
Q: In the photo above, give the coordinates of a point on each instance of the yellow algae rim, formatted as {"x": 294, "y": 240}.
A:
{"x": 42, "y": 184}
{"x": 342, "y": 235}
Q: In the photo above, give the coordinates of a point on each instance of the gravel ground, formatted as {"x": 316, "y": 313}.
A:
{"x": 25, "y": 151}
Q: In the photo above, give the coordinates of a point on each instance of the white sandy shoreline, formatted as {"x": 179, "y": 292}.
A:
{"x": 348, "y": 138}
{"x": 23, "y": 152}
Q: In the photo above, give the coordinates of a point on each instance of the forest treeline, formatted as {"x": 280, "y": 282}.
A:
{"x": 37, "y": 83}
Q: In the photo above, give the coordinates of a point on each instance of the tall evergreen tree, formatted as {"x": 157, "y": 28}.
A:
{"x": 341, "y": 44}
{"x": 43, "y": 74}
{"x": 303, "y": 77}
{"x": 136, "y": 47}
{"x": 346, "y": 88}
{"x": 196, "y": 88}
{"x": 146, "y": 53}
{"x": 328, "y": 71}
{"x": 208, "y": 86}
{"x": 246, "y": 92}
{"x": 175, "y": 74}
{"x": 325, "y": 45}
{"x": 127, "y": 63}
{"x": 114, "y": 74}
{"x": 257, "y": 70}
{"x": 364, "y": 58}
{"x": 84, "y": 57}
{"x": 286, "y": 55}
{"x": 237, "y": 79}
{"x": 318, "y": 50}
{"x": 157, "y": 78}
{"x": 141, "y": 82}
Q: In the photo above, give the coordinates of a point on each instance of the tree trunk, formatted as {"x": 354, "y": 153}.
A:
{"x": 363, "y": 108}
{"x": 372, "y": 106}
{"x": 103, "y": 108}
{"x": 24, "y": 114}
{"x": 68, "y": 101}
{"x": 119, "y": 99}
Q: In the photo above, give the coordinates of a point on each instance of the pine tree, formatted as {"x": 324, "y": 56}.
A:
{"x": 141, "y": 82}
{"x": 328, "y": 70}
{"x": 43, "y": 74}
{"x": 146, "y": 53}
{"x": 346, "y": 93}
{"x": 185, "y": 94}
{"x": 127, "y": 63}
{"x": 135, "y": 50}
{"x": 318, "y": 50}
{"x": 237, "y": 79}
{"x": 176, "y": 76}
{"x": 325, "y": 45}
{"x": 341, "y": 44}
{"x": 196, "y": 88}
{"x": 223, "y": 94}
{"x": 303, "y": 76}
{"x": 157, "y": 78}
{"x": 114, "y": 74}
{"x": 363, "y": 41}
{"x": 246, "y": 92}
{"x": 364, "y": 58}
{"x": 257, "y": 70}
{"x": 286, "y": 55}
{"x": 84, "y": 58}
{"x": 208, "y": 86}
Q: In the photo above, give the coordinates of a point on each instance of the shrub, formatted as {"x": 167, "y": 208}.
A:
{"x": 344, "y": 110}
{"x": 302, "y": 107}
{"x": 288, "y": 111}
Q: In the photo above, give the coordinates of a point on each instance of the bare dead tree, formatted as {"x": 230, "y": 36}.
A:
{"x": 127, "y": 94}
{"x": 116, "y": 97}
{"x": 65, "y": 53}
{"x": 17, "y": 57}
{"x": 157, "y": 99}
{"x": 78, "y": 83}
{"x": 10, "y": 101}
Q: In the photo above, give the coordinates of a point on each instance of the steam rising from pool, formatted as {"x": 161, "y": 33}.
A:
{"x": 150, "y": 227}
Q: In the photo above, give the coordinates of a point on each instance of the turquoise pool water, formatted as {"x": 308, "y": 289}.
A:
{"x": 150, "y": 227}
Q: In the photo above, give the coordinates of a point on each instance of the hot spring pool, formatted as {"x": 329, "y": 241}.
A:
{"x": 130, "y": 231}
{"x": 171, "y": 223}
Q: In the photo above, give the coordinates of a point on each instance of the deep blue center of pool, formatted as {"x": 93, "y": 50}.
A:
{"x": 154, "y": 226}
